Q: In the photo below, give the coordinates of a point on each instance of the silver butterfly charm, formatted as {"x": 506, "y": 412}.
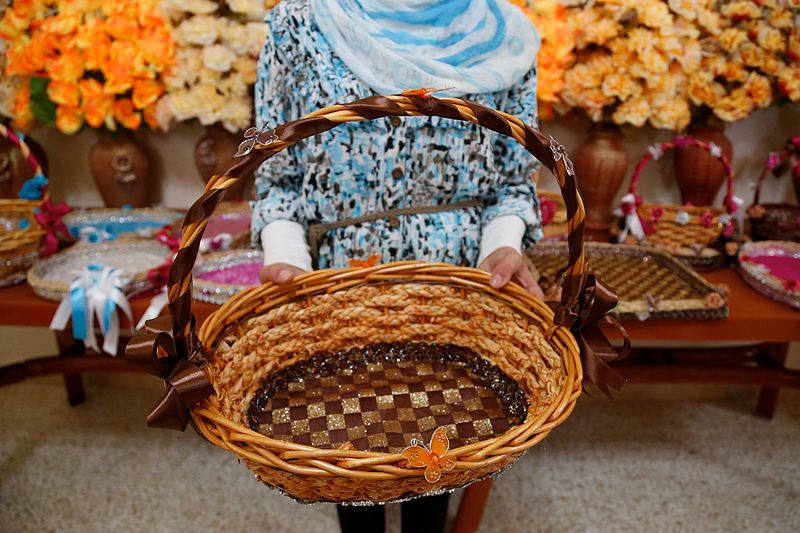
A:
{"x": 253, "y": 135}
{"x": 559, "y": 153}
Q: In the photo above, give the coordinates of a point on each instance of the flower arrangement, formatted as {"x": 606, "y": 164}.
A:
{"x": 556, "y": 53}
{"x": 87, "y": 61}
{"x": 752, "y": 59}
{"x": 668, "y": 62}
{"x": 218, "y": 46}
{"x": 632, "y": 57}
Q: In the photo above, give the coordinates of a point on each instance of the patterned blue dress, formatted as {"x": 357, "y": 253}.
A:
{"x": 359, "y": 168}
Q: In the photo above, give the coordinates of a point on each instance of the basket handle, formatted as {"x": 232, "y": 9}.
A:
{"x": 655, "y": 152}
{"x": 20, "y": 143}
{"x": 778, "y": 164}
{"x": 259, "y": 146}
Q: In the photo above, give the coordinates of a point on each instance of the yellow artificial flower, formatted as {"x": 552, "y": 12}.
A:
{"x": 734, "y": 106}
{"x": 789, "y": 82}
{"x": 741, "y": 10}
{"x": 751, "y": 54}
{"x": 759, "y": 89}
{"x": 703, "y": 91}
{"x": 674, "y": 114}
{"x": 731, "y": 38}
{"x": 655, "y": 14}
{"x": 619, "y": 85}
{"x": 770, "y": 39}
{"x": 635, "y": 112}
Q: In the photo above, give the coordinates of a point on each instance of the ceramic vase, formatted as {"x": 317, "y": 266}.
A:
{"x": 121, "y": 168}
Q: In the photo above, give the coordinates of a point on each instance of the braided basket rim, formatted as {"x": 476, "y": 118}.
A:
{"x": 257, "y": 449}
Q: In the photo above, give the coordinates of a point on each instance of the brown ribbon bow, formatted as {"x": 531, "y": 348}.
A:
{"x": 585, "y": 302}
{"x": 154, "y": 352}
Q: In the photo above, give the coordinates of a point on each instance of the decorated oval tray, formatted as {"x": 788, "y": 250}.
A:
{"x": 50, "y": 278}
{"x": 650, "y": 283}
{"x": 220, "y": 275}
{"x": 228, "y": 228}
{"x": 106, "y": 224}
{"x": 773, "y": 269}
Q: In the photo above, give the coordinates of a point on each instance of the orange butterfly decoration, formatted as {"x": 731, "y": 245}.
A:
{"x": 370, "y": 262}
{"x": 424, "y": 92}
{"x": 435, "y": 459}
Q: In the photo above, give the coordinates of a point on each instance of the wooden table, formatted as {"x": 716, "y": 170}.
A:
{"x": 759, "y": 329}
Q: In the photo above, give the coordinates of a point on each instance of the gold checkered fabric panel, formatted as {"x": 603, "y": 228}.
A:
{"x": 382, "y": 403}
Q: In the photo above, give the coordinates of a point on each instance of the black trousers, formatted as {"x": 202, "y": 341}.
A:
{"x": 422, "y": 515}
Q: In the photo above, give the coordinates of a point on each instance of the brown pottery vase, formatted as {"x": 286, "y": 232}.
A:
{"x": 699, "y": 174}
{"x": 120, "y": 166}
{"x": 213, "y": 151}
{"x": 601, "y": 163}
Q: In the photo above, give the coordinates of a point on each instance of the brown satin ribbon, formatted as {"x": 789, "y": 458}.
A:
{"x": 585, "y": 302}
{"x": 154, "y": 351}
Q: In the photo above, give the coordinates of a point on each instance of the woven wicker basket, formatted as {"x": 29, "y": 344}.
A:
{"x": 265, "y": 329}
{"x": 687, "y": 232}
{"x": 776, "y": 221}
{"x": 19, "y": 246}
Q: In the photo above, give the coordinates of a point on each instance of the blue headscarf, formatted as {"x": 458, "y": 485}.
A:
{"x": 473, "y": 46}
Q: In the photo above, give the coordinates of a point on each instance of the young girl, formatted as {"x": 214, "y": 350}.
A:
{"x": 479, "y": 203}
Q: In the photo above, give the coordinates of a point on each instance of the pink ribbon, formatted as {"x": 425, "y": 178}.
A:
{"x": 50, "y": 216}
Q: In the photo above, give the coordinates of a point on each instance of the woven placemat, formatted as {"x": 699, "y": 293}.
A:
{"x": 651, "y": 284}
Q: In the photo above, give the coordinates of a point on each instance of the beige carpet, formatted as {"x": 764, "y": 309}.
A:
{"x": 630, "y": 465}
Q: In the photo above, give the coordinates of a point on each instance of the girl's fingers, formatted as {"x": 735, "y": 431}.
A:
{"x": 505, "y": 269}
{"x": 279, "y": 273}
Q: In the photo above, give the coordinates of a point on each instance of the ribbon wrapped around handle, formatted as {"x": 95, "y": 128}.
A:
{"x": 585, "y": 302}
{"x": 154, "y": 351}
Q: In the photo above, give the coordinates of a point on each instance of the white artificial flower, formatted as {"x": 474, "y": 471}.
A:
{"x": 181, "y": 105}
{"x": 715, "y": 150}
{"x": 252, "y": 8}
{"x": 236, "y": 37}
{"x": 237, "y": 114}
{"x": 200, "y": 30}
{"x": 682, "y": 218}
{"x": 163, "y": 113}
{"x": 218, "y": 57}
{"x": 256, "y": 36}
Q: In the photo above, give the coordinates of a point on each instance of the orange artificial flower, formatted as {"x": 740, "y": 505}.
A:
{"x": 96, "y": 103}
{"x": 146, "y": 92}
{"x": 23, "y": 116}
{"x": 151, "y": 118}
{"x": 21, "y": 13}
{"x": 7, "y": 30}
{"x": 126, "y": 114}
{"x": 42, "y": 48}
{"x": 68, "y": 119}
{"x": 67, "y": 67}
{"x": 63, "y": 23}
{"x": 65, "y": 93}
{"x": 122, "y": 28}
{"x": 157, "y": 47}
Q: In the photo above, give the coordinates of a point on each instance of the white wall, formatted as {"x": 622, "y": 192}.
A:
{"x": 180, "y": 184}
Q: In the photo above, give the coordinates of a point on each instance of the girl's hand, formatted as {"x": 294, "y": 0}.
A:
{"x": 280, "y": 273}
{"x": 505, "y": 264}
